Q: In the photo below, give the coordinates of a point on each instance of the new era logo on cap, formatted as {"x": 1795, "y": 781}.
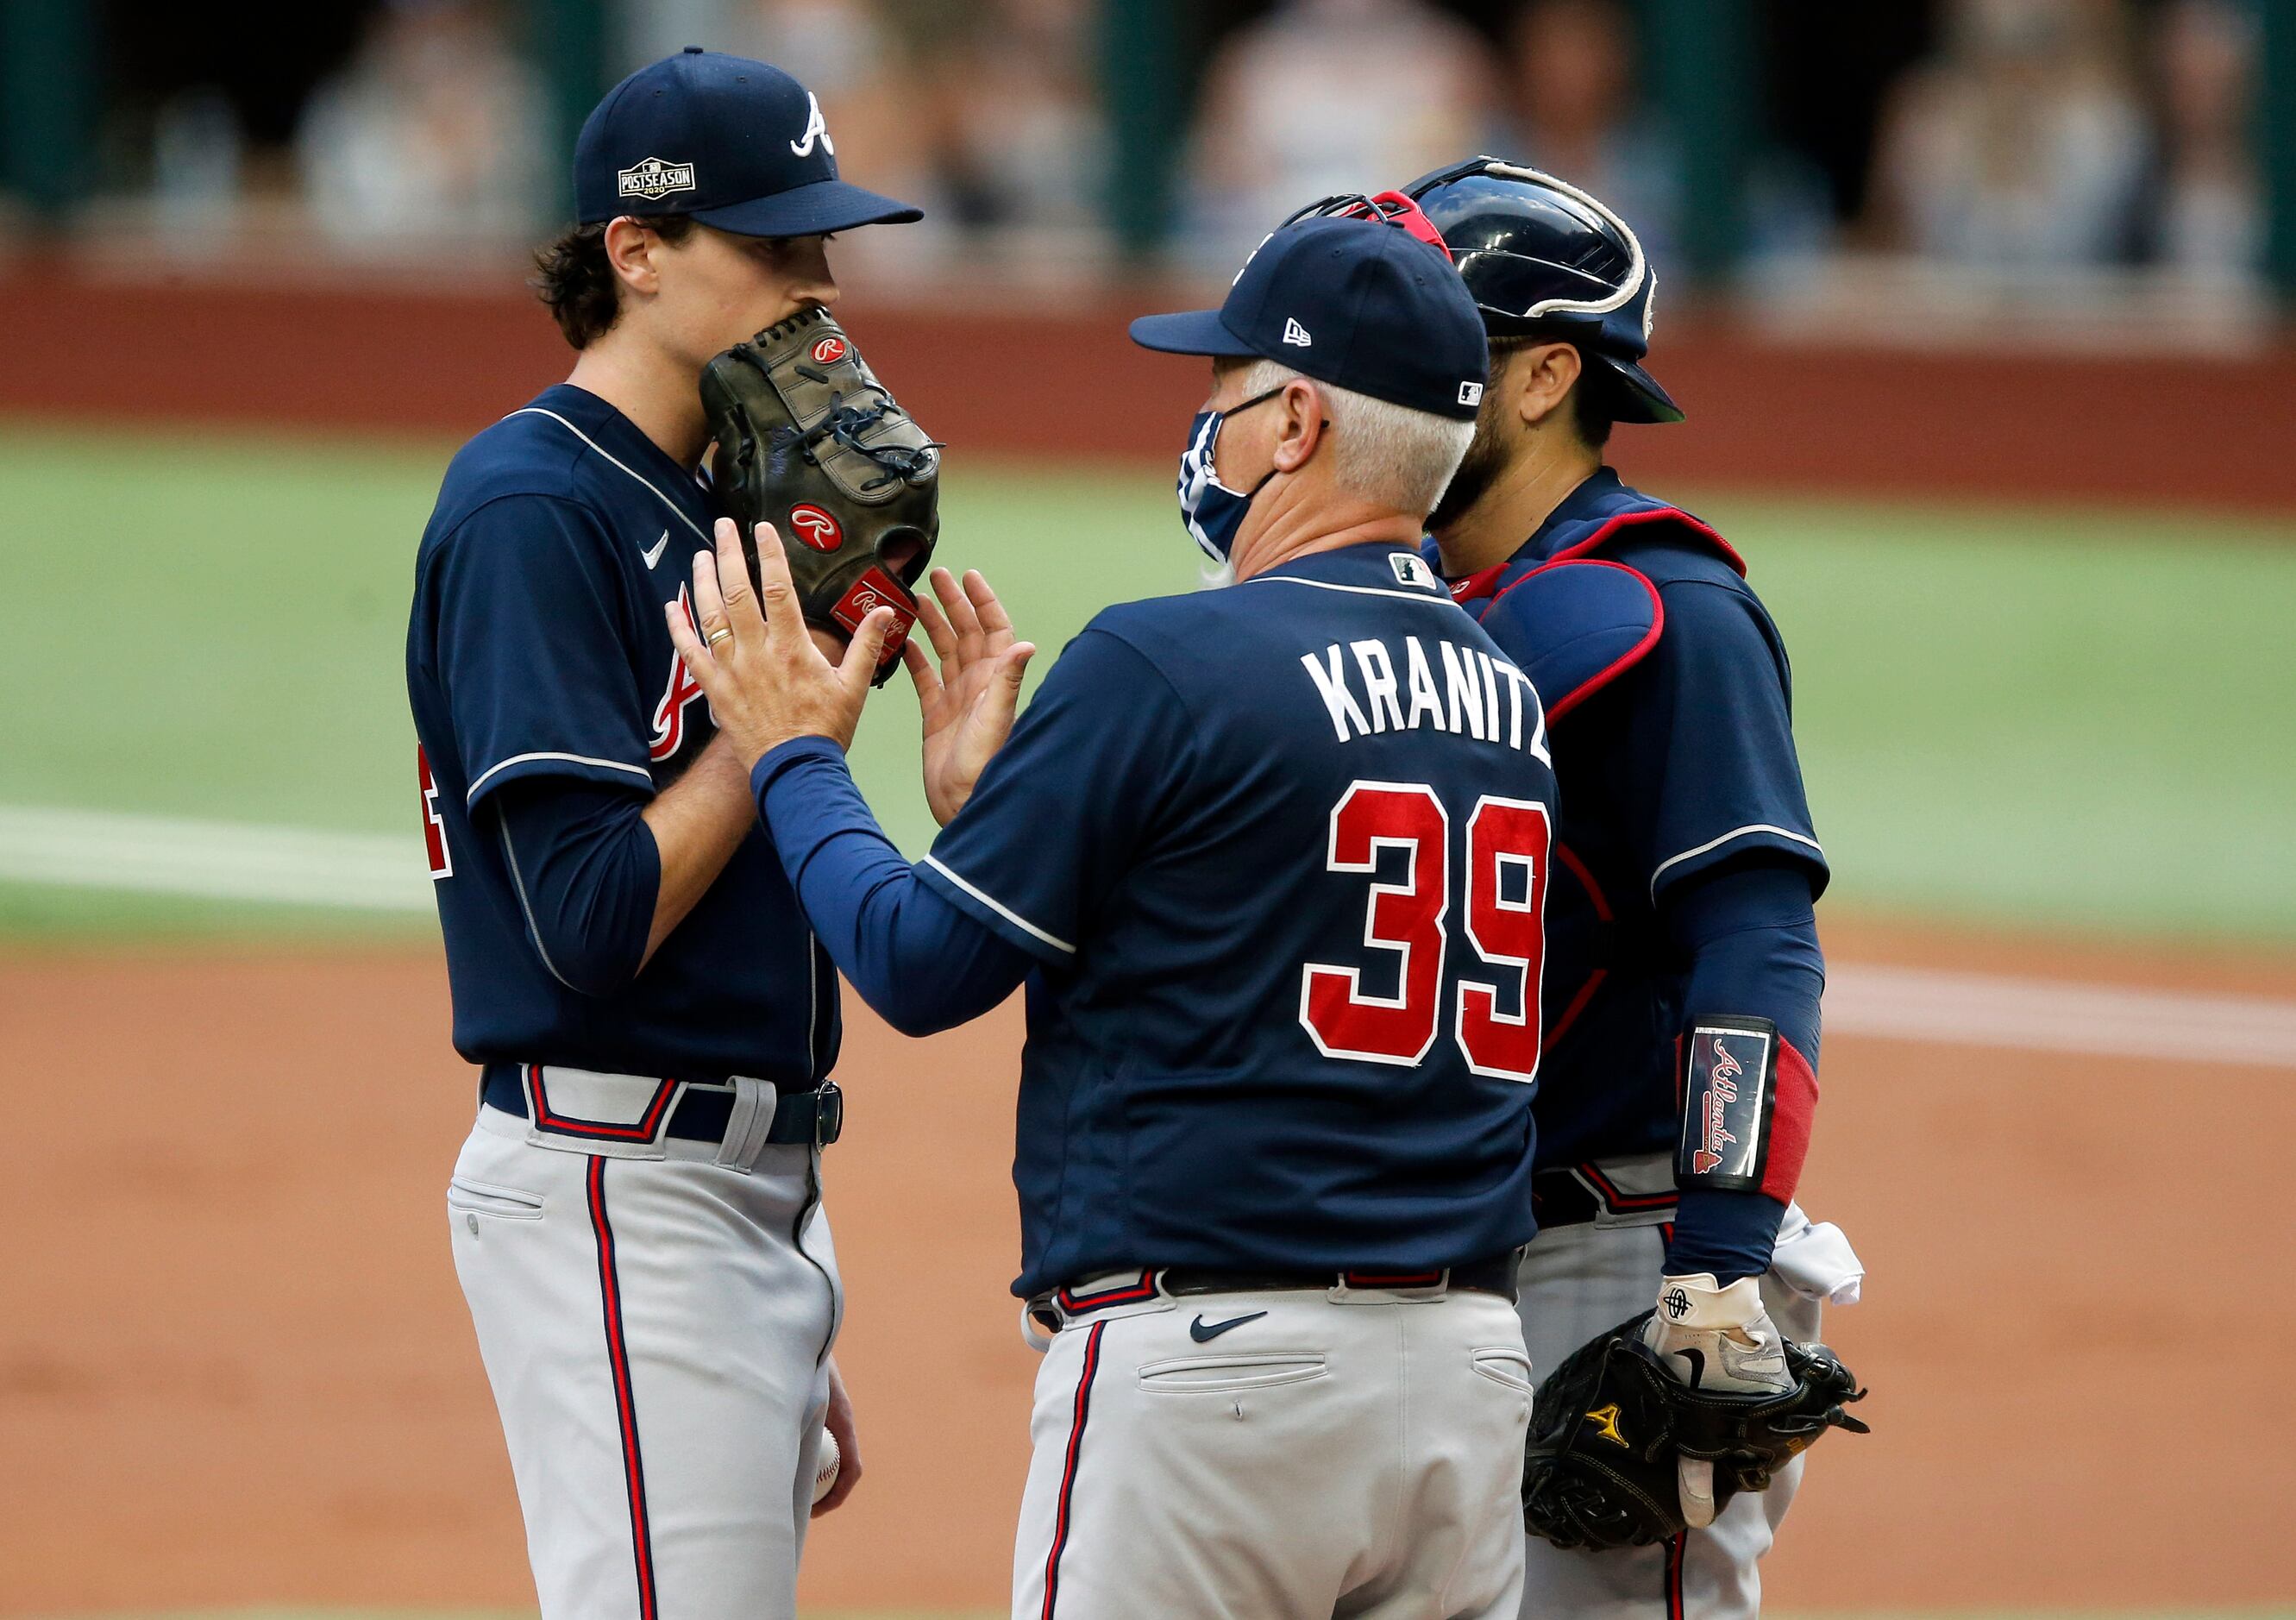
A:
{"x": 1358, "y": 304}
{"x": 654, "y": 179}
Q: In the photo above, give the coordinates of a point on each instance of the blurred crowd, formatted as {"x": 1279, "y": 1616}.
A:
{"x": 2036, "y": 136}
{"x": 437, "y": 130}
{"x": 2052, "y": 133}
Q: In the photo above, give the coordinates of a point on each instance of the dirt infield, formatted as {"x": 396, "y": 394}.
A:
{"x": 235, "y": 1368}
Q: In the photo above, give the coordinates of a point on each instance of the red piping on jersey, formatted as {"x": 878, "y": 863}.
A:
{"x": 1674, "y": 1574}
{"x": 1623, "y": 1203}
{"x": 1578, "y": 1004}
{"x": 1791, "y": 1113}
{"x": 1610, "y": 526}
{"x": 1563, "y": 853}
{"x": 618, "y": 1356}
{"x": 1069, "y": 1471}
{"x": 1122, "y": 1293}
{"x": 642, "y": 1131}
{"x": 1618, "y": 666}
{"x": 1571, "y": 1013}
{"x": 1478, "y": 583}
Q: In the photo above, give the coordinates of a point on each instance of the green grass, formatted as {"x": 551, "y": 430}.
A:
{"x": 2047, "y": 715}
{"x": 2067, "y": 718}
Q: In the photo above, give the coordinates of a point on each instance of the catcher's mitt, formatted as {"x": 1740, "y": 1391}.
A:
{"x": 1599, "y": 1469}
{"x": 808, "y": 440}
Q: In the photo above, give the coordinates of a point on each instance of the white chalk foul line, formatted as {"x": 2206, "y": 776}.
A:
{"x": 213, "y": 859}
{"x": 377, "y": 872}
{"x": 1926, "y": 1004}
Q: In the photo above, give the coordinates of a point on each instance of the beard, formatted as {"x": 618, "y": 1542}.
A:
{"x": 1486, "y": 455}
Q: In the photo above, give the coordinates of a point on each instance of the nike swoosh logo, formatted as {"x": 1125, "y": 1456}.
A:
{"x": 1201, "y": 1331}
{"x": 652, "y": 555}
{"x": 1697, "y": 1359}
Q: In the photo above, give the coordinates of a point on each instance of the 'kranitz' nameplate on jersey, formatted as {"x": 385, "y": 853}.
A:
{"x": 1283, "y": 851}
{"x": 1728, "y": 1095}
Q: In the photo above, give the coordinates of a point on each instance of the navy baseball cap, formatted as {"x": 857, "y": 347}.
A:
{"x": 736, "y": 143}
{"x": 1357, "y": 303}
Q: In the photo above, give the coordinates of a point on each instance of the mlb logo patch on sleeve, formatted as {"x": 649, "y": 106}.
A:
{"x": 1411, "y": 569}
{"x": 1728, "y": 1091}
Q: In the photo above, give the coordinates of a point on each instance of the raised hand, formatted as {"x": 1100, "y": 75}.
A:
{"x": 766, "y": 680}
{"x": 967, "y": 704}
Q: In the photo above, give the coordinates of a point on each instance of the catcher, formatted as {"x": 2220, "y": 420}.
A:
{"x": 1677, "y": 1079}
{"x": 646, "y": 1261}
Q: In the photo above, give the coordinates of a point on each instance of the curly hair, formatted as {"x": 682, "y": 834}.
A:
{"x": 576, "y": 280}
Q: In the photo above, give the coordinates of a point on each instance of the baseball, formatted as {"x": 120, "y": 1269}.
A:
{"x": 824, "y": 1469}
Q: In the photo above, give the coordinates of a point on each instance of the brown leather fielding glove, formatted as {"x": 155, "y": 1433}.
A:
{"x": 808, "y": 440}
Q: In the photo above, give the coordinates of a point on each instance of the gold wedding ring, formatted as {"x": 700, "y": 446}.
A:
{"x": 722, "y": 633}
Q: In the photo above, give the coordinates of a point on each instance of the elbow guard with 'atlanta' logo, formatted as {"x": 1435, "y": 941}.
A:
{"x": 1747, "y": 1100}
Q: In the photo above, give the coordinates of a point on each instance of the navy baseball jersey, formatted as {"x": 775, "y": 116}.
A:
{"x": 1671, "y": 700}
{"x": 537, "y": 651}
{"x": 1279, "y": 852}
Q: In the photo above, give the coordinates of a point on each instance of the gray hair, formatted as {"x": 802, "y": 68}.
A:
{"x": 1388, "y": 454}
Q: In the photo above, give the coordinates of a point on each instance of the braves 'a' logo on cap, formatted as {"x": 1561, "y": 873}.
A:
{"x": 829, "y": 351}
{"x": 815, "y": 528}
{"x": 816, "y": 128}
{"x": 654, "y": 179}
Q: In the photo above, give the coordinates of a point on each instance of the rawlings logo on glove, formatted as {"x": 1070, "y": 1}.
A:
{"x": 808, "y": 440}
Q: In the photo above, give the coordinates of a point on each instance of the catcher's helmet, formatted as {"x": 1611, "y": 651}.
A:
{"x": 1543, "y": 258}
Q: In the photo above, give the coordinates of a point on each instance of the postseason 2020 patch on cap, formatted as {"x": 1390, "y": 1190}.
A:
{"x": 738, "y": 145}
{"x": 1357, "y": 303}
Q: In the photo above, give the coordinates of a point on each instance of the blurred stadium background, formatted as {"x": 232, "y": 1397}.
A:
{"x": 1980, "y": 309}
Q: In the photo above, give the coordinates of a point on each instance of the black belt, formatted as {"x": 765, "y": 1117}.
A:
{"x": 1496, "y": 1275}
{"x": 800, "y": 1117}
